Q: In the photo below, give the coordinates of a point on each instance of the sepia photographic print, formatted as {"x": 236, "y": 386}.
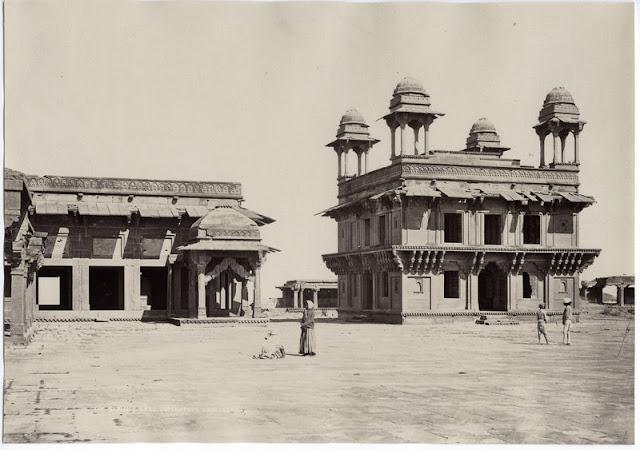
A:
{"x": 279, "y": 222}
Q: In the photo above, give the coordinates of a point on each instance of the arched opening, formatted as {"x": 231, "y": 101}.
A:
{"x": 492, "y": 289}
{"x": 350, "y": 163}
{"x": 569, "y": 149}
{"x": 526, "y": 285}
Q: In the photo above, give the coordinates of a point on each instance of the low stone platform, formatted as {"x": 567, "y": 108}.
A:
{"x": 219, "y": 321}
{"x": 294, "y": 314}
{"x": 100, "y": 316}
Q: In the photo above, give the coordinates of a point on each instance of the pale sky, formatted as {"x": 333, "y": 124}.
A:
{"x": 252, "y": 93}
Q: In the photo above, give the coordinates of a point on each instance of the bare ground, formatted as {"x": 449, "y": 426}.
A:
{"x": 442, "y": 383}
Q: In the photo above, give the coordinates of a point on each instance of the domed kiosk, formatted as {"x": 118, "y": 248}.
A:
{"x": 352, "y": 135}
{"x": 225, "y": 253}
{"x": 559, "y": 117}
{"x": 484, "y": 138}
{"x": 410, "y": 107}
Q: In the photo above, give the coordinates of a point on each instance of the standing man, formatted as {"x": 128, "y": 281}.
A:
{"x": 542, "y": 320}
{"x": 566, "y": 322}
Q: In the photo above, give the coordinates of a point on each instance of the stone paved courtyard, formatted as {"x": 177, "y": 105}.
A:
{"x": 437, "y": 383}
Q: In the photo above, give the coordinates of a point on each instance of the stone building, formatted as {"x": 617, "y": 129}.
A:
{"x": 127, "y": 248}
{"x": 457, "y": 231}
{"x": 323, "y": 293}
{"x": 620, "y": 289}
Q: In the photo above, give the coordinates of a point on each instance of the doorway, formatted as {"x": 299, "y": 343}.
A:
{"x": 367, "y": 291}
{"x": 106, "y": 288}
{"x": 492, "y": 289}
{"x": 153, "y": 287}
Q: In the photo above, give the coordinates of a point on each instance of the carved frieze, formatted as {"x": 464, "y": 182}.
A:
{"x": 126, "y": 186}
{"x": 491, "y": 173}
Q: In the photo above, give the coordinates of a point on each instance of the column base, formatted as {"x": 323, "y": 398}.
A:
{"x": 202, "y": 313}
{"x": 257, "y": 313}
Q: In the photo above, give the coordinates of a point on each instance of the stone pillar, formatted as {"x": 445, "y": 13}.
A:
{"x": 620, "y": 295}
{"x": 339, "y": 153}
{"x": 426, "y": 138}
{"x": 346, "y": 162}
{"x": 547, "y": 290}
{"x": 315, "y": 297}
{"x": 563, "y": 140}
{"x": 359, "y": 154}
{"x": 80, "y": 286}
{"x": 403, "y": 137}
{"x": 301, "y": 298}
{"x": 193, "y": 291}
{"x": 541, "y": 137}
{"x": 177, "y": 288}
{"x": 243, "y": 298}
{"x": 366, "y": 161}
{"x": 555, "y": 147}
{"x": 202, "y": 293}
{"x": 257, "y": 300}
{"x": 576, "y": 148}
{"x": 472, "y": 282}
{"x": 19, "y": 325}
{"x": 392, "y": 129}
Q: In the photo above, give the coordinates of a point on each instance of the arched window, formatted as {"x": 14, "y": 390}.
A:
{"x": 526, "y": 285}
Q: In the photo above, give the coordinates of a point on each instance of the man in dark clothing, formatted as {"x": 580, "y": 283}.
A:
{"x": 566, "y": 322}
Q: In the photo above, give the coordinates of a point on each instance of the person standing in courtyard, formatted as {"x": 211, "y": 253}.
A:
{"x": 307, "y": 333}
{"x": 566, "y": 322}
{"x": 541, "y": 315}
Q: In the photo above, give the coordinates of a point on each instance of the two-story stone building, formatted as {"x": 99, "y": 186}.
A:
{"x": 82, "y": 248}
{"x": 450, "y": 231}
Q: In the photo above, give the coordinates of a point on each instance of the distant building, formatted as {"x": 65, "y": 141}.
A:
{"x": 323, "y": 293}
{"x": 80, "y": 247}
{"x": 461, "y": 230}
{"x": 621, "y": 287}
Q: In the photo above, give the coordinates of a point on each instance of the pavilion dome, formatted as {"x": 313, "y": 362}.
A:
{"x": 225, "y": 223}
{"x": 352, "y": 116}
{"x": 483, "y": 125}
{"x": 409, "y": 85}
{"x": 559, "y": 95}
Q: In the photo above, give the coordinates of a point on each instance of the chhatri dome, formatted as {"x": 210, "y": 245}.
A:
{"x": 559, "y": 95}
{"x": 409, "y": 85}
{"x": 483, "y": 137}
{"x": 352, "y": 116}
{"x": 559, "y": 104}
{"x": 483, "y": 125}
